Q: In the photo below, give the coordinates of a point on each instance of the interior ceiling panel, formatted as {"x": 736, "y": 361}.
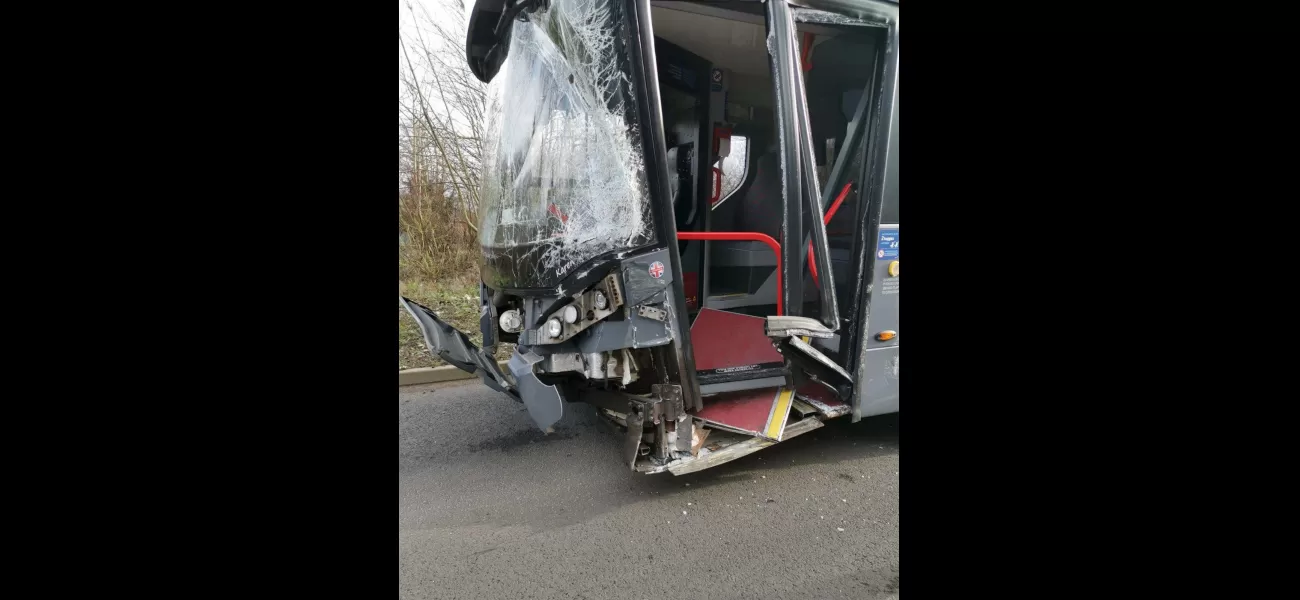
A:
{"x": 737, "y": 45}
{"x": 734, "y": 40}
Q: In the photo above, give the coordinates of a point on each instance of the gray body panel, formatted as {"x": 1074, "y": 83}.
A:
{"x": 544, "y": 402}
{"x": 884, "y": 297}
{"x": 878, "y": 382}
{"x": 634, "y": 331}
{"x": 878, "y": 373}
{"x": 876, "y": 378}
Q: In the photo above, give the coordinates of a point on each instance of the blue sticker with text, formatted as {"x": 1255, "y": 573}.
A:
{"x": 888, "y": 246}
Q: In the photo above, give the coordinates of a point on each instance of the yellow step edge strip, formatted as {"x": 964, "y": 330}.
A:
{"x": 780, "y": 412}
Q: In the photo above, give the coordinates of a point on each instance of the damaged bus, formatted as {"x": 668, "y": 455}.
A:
{"x": 688, "y": 219}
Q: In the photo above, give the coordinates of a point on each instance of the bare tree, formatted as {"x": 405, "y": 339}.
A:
{"x": 440, "y": 129}
{"x": 445, "y": 97}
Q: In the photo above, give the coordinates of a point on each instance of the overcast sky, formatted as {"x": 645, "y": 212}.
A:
{"x": 414, "y": 17}
{"x": 439, "y": 10}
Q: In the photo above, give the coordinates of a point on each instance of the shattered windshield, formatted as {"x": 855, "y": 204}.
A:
{"x": 564, "y": 179}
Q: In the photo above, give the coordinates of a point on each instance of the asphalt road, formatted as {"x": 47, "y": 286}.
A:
{"x": 489, "y": 507}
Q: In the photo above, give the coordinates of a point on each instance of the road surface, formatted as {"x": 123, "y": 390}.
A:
{"x": 489, "y": 507}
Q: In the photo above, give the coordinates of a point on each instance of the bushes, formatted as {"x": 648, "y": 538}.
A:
{"x": 436, "y": 243}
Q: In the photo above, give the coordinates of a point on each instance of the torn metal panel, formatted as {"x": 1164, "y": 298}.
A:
{"x": 545, "y": 403}
{"x": 816, "y": 366}
{"x": 727, "y": 453}
{"x": 816, "y": 355}
{"x": 784, "y": 326}
{"x": 722, "y": 450}
{"x": 822, "y": 399}
{"x": 564, "y": 175}
{"x": 453, "y": 347}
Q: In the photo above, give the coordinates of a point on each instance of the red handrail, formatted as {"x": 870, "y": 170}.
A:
{"x": 812, "y": 260}
{"x": 717, "y": 186}
{"x": 808, "y": 39}
{"x": 743, "y": 236}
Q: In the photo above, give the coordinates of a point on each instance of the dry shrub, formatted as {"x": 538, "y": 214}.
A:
{"x": 436, "y": 241}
